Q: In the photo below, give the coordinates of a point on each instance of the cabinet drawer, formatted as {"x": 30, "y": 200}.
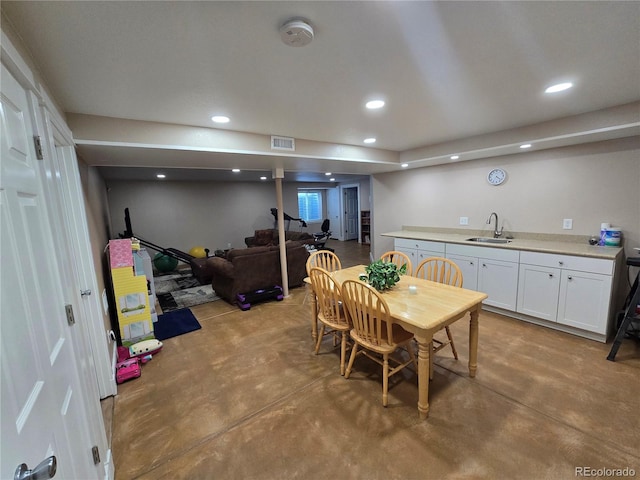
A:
{"x": 568, "y": 262}
{"x": 506, "y": 255}
{"x": 419, "y": 245}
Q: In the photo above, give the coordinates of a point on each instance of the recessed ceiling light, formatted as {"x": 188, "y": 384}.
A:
{"x": 220, "y": 119}
{"x": 263, "y": 178}
{"x": 161, "y": 175}
{"x": 328, "y": 173}
{"x": 525, "y": 145}
{"x": 455, "y": 157}
{"x": 235, "y": 170}
{"x": 404, "y": 165}
{"x": 373, "y": 104}
{"x": 332, "y": 179}
{"x": 559, "y": 87}
{"x": 369, "y": 140}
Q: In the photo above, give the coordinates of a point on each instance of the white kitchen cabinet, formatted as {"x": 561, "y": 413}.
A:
{"x": 569, "y": 290}
{"x": 469, "y": 268}
{"x": 572, "y": 293}
{"x": 493, "y": 271}
{"x": 584, "y": 300}
{"x": 538, "y": 289}
{"x": 500, "y": 281}
{"x": 418, "y": 250}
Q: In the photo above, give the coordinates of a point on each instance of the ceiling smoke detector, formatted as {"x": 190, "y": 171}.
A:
{"x": 296, "y": 33}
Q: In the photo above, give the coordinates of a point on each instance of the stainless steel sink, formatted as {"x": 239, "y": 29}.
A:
{"x": 488, "y": 240}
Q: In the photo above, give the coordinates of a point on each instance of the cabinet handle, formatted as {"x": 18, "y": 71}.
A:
{"x": 484, "y": 265}
{"x": 570, "y": 278}
{"x": 560, "y": 263}
{"x": 551, "y": 275}
{"x": 470, "y": 263}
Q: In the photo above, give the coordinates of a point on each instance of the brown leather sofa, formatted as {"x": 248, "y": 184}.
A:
{"x": 268, "y": 237}
{"x": 248, "y": 269}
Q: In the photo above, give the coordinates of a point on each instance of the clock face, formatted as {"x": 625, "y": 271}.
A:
{"x": 496, "y": 176}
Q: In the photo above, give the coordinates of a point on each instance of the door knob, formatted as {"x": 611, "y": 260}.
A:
{"x": 45, "y": 469}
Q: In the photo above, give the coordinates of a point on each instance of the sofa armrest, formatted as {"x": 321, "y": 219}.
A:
{"x": 221, "y": 267}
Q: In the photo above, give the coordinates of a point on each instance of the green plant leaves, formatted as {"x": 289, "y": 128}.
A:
{"x": 383, "y": 275}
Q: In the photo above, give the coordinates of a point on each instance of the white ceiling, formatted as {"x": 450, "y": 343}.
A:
{"x": 447, "y": 70}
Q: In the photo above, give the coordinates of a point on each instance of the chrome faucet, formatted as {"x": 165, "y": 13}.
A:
{"x": 496, "y": 233}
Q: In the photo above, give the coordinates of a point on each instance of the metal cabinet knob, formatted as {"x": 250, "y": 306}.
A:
{"x": 551, "y": 275}
{"x": 45, "y": 469}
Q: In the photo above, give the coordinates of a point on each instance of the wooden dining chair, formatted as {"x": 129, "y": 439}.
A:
{"x": 332, "y": 317}
{"x": 324, "y": 259}
{"x": 399, "y": 259}
{"x": 441, "y": 270}
{"x": 374, "y": 331}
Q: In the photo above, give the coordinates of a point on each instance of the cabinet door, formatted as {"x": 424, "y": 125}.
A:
{"x": 469, "y": 268}
{"x": 538, "y": 289}
{"x": 584, "y": 300}
{"x": 411, "y": 253}
{"x": 499, "y": 280}
{"x": 422, "y": 254}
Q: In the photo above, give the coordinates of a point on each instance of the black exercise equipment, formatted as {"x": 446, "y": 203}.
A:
{"x": 287, "y": 218}
{"x": 630, "y": 312}
{"x": 321, "y": 238}
{"x": 171, "y": 252}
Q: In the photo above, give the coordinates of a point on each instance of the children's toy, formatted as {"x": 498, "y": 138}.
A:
{"x": 246, "y": 299}
{"x": 144, "y": 348}
{"x": 127, "y": 370}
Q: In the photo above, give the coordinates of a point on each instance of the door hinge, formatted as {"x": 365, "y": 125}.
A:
{"x": 96, "y": 454}
{"x": 70, "y": 318}
{"x": 38, "y": 144}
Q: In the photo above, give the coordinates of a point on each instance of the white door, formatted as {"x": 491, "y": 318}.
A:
{"x": 351, "y": 213}
{"x": 42, "y": 406}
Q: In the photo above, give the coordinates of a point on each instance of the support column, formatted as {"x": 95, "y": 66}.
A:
{"x": 278, "y": 175}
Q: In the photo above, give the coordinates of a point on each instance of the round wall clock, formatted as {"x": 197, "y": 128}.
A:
{"x": 496, "y": 176}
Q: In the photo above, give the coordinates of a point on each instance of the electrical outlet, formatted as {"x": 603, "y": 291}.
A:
{"x": 464, "y": 220}
{"x": 567, "y": 224}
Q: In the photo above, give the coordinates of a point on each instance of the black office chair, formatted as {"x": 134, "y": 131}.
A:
{"x": 321, "y": 238}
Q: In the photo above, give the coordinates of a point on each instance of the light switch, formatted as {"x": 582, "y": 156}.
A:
{"x": 567, "y": 224}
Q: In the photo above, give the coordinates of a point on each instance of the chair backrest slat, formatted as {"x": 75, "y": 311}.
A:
{"x": 328, "y": 295}
{"x": 440, "y": 269}
{"x": 399, "y": 258}
{"x": 368, "y": 312}
{"x": 324, "y": 259}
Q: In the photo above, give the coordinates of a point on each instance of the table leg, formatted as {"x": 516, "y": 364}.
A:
{"x": 425, "y": 348}
{"x": 473, "y": 342}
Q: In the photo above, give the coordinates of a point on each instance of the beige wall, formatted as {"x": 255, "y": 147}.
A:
{"x": 211, "y": 214}
{"x": 590, "y": 183}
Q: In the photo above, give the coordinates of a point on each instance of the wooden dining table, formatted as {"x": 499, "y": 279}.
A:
{"x": 422, "y": 307}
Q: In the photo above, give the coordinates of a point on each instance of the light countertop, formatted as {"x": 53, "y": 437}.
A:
{"x": 560, "y": 244}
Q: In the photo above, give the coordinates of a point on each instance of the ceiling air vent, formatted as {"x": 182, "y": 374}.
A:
{"x": 283, "y": 143}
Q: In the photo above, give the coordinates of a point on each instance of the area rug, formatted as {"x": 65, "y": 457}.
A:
{"x": 175, "y": 323}
{"x": 181, "y": 290}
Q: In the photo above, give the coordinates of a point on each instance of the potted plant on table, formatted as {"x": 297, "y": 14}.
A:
{"x": 383, "y": 275}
